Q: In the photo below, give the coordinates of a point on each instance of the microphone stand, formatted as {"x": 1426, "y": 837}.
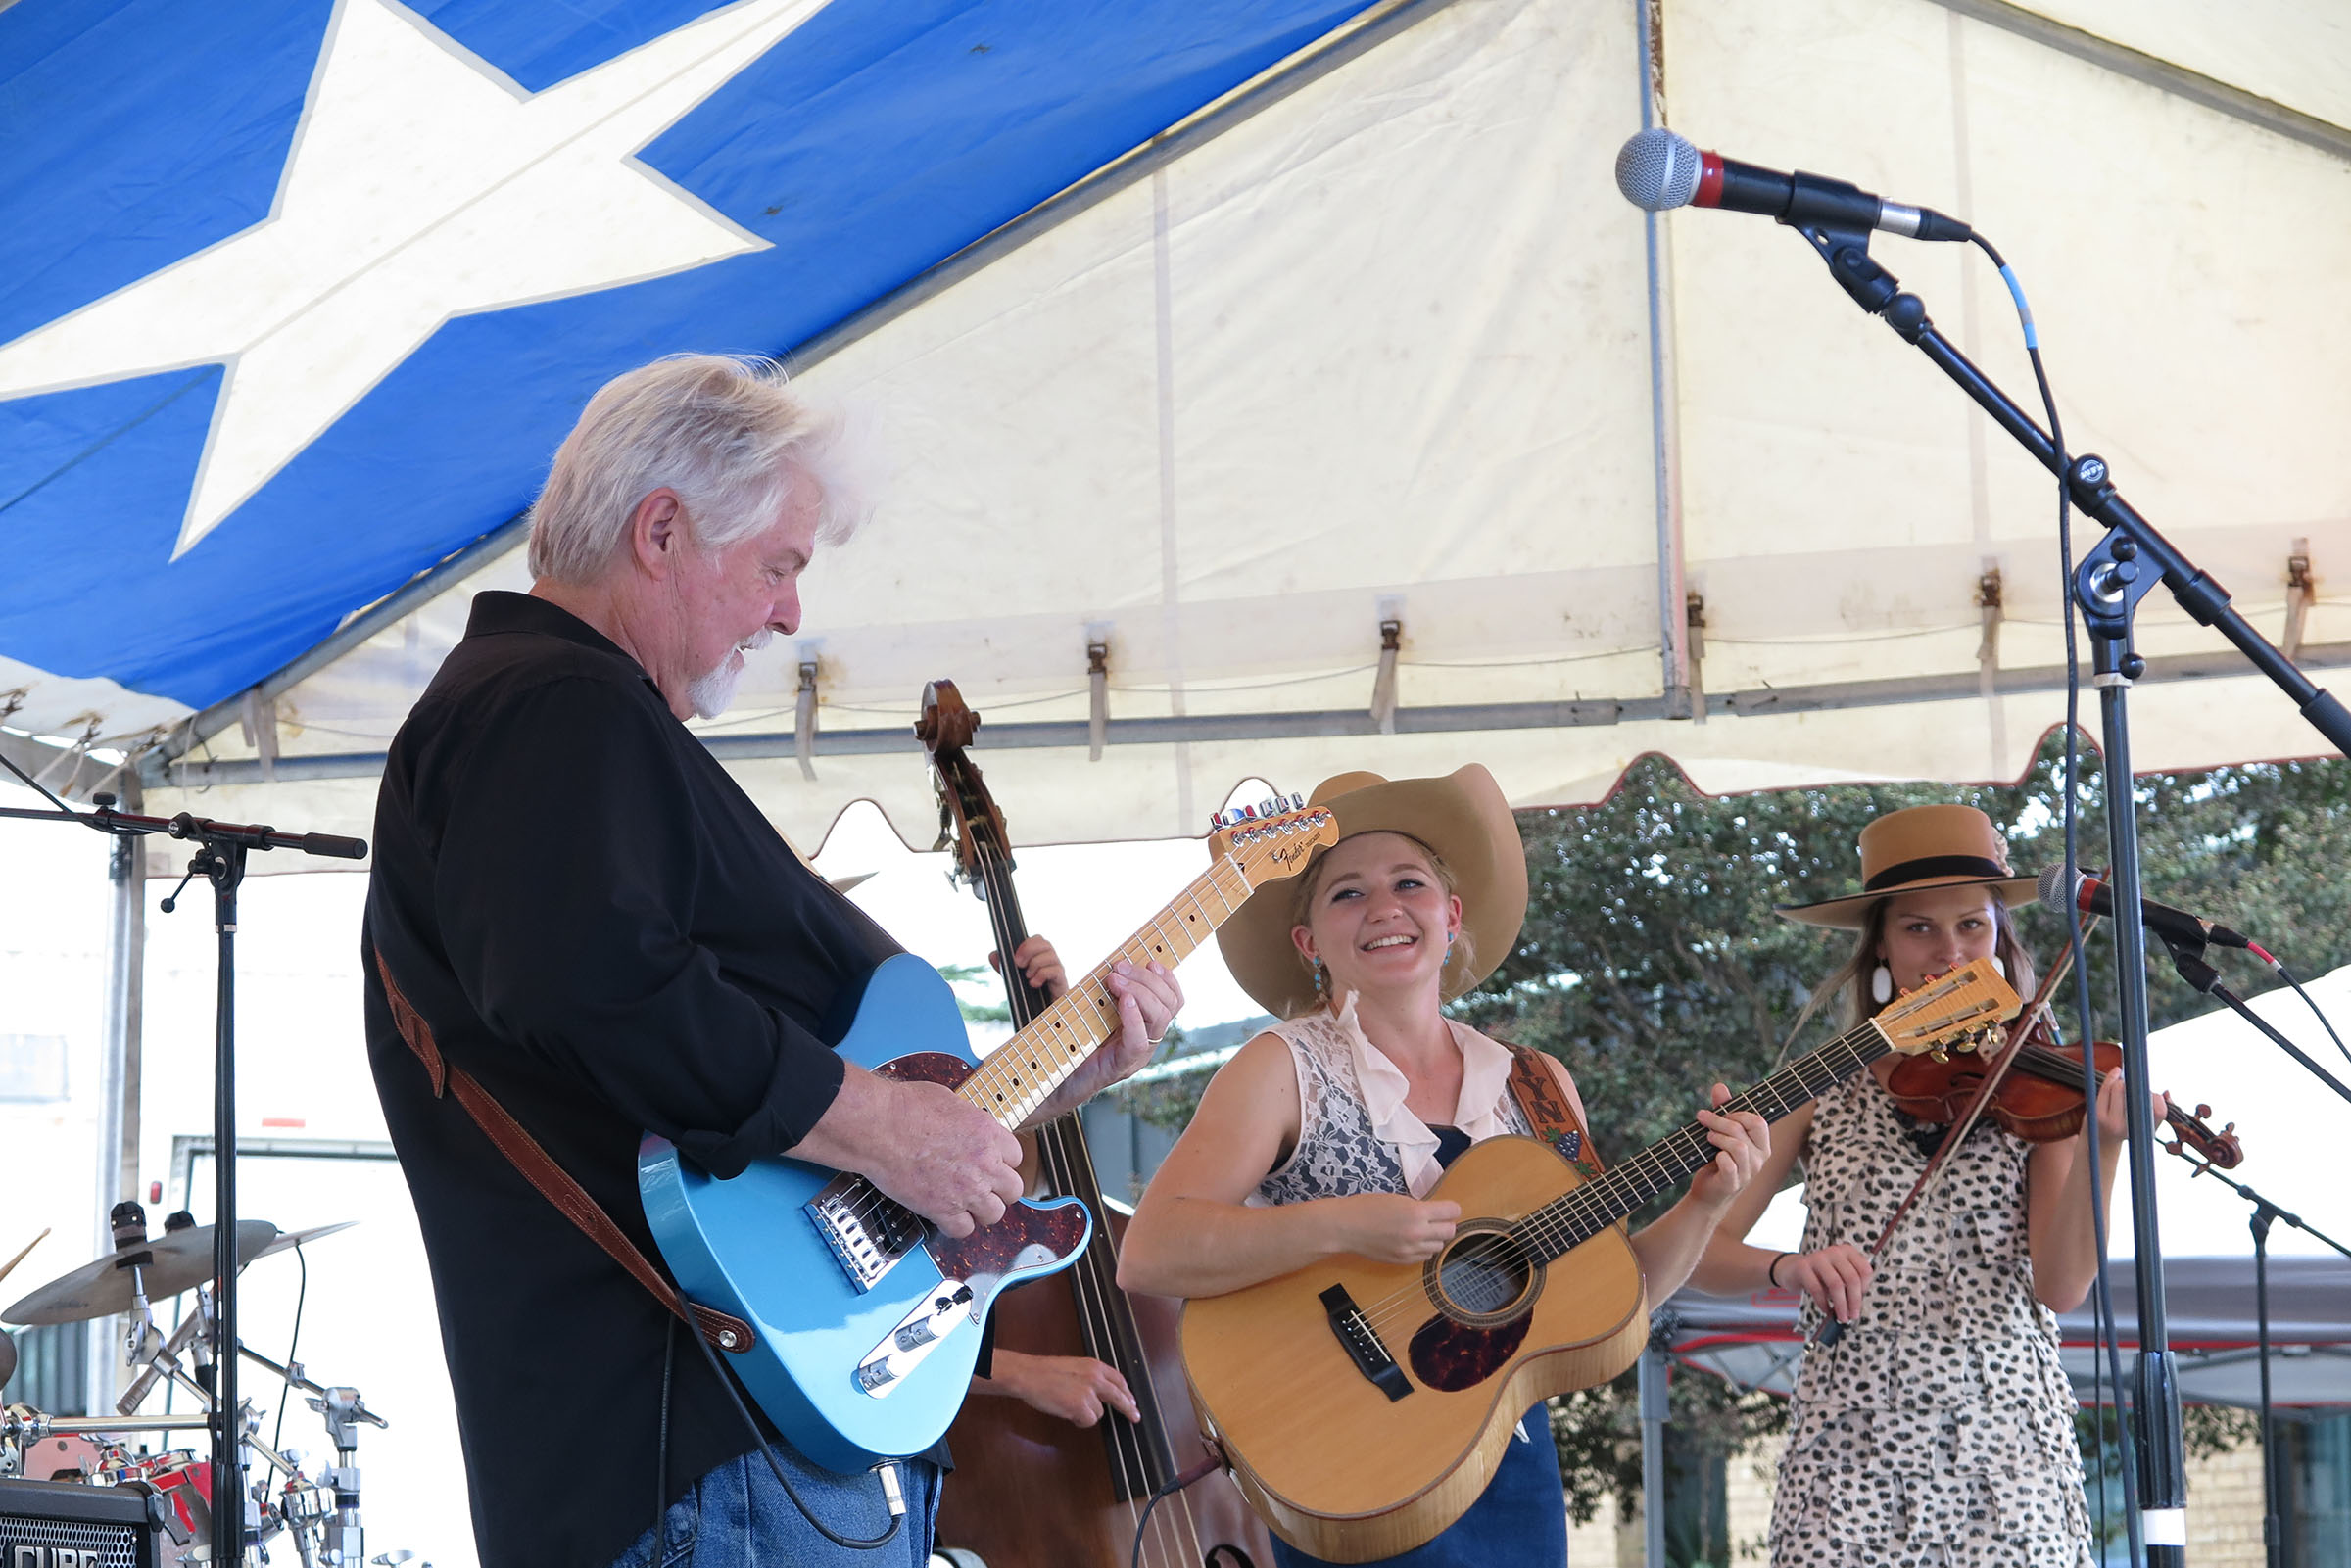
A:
{"x": 2107, "y": 585}
{"x": 222, "y": 848}
{"x": 2264, "y": 1211}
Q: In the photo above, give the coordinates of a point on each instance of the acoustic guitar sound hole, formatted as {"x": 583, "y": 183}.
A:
{"x": 1485, "y": 1276}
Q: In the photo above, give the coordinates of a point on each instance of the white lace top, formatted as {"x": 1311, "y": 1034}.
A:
{"x": 1355, "y": 1133}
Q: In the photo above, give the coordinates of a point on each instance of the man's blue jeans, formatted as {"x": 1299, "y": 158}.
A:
{"x": 737, "y": 1517}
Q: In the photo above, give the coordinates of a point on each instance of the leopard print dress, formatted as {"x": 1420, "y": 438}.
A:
{"x": 1938, "y": 1431}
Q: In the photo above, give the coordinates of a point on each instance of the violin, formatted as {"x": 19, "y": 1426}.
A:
{"x": 2040, "y": 1099}
{"x": 1031, "y": 1490}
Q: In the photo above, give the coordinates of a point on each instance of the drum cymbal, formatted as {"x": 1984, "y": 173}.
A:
{"x": 8, "y": 1359}
{"x": 181, "y": 1260}
{"x": 287, "y": 1239}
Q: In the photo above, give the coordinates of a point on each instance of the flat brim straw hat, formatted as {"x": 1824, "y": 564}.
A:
{"x": 1923, "y": 846}
{"x": 1464, "y": 816}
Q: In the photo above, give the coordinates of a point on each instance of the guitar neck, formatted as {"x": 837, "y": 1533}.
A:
{"x": 1020, "y": 1074}
{"x": 1594, "y": 1206}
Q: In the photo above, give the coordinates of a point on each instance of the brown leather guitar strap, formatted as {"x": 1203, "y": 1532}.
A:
{"x": 1547, "y": 1112}
{"x": 538, "y": 1169}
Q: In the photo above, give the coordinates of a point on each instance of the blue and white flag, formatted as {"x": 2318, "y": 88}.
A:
{"x": 296, "y": 296}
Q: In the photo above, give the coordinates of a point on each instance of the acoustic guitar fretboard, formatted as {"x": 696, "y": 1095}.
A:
{"x": 1570, "y": 1221}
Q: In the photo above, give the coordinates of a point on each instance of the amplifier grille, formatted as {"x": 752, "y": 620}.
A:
{"x": 56, "y": 1543}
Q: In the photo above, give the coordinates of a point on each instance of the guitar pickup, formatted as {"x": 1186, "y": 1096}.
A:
{"x": 917, "y": 1335}
{"x": 1363, "y": 1345}
{"x": 866, "y": 1231}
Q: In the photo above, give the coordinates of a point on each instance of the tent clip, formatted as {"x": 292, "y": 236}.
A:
{"x": 1384, "y": 685}
{"x": 1098, "y": 681}
{"x": 804, "y": 719}
{"x": 1694, "y": 612}
{"x": 1989, "y": 601}
{"x": 2299, "y": 593}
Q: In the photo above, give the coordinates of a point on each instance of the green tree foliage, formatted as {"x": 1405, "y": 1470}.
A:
{"x": 1653, "y": 965}
{"x": 1652, "y": 962}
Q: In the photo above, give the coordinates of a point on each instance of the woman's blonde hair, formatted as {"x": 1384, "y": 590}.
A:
{"x": 1463, "y": 950}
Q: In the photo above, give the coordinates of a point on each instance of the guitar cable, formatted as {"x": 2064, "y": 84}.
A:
{"x": 2106, "y": 1346}
{"x": 1197, "y": 1472}
{"x": 893, "y": 1495}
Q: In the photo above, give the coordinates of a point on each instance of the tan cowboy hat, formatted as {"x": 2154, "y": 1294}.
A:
{"x": 1464, "y": 816}
{"x": 1923, "y": 846}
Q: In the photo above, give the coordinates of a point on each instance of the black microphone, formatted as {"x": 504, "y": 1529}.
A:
{"x": 2091, "y": 896}
{"x": 1657, "y": 169}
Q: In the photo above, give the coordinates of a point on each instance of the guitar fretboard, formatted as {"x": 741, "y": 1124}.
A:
{"x": 1020, "y": 1074}
{"x": 1570, "y": 1221}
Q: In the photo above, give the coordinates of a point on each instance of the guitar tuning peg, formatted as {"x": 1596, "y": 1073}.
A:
{"x": 1938, "y": 1055}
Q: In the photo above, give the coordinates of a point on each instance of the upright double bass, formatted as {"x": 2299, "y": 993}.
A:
{"x": 1031, "y": 1490}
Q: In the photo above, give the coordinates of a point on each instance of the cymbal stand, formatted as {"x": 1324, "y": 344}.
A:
{"x": 346, "y": 1544}
{"x": 161, "y": 1359}
{"x": 344, "y": 1412}
{"x": 219, "y": 859}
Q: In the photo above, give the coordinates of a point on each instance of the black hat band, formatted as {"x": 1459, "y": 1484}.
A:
{"x": 1926, "y": 866}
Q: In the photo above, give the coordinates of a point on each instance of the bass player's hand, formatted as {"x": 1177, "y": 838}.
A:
{"x": 1075, "y": 1388}
{"x": 1390, "y": 1228}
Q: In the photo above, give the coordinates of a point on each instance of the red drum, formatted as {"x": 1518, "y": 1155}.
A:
{"x": 70, "y": 1458}
{"x": 184, "y": 1482}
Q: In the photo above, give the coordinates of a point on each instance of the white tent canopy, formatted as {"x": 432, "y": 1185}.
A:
{"x": 1369, "y": 341}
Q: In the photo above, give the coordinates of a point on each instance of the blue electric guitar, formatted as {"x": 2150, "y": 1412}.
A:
{"x": 867, "y": 1318}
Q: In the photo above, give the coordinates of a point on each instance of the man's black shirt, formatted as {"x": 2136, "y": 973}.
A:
{"x": 598, "y": 925}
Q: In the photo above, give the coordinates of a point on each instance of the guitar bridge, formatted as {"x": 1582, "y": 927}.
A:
{"x": 1361, "y": 1343}
{"x": 866, "y": 1232}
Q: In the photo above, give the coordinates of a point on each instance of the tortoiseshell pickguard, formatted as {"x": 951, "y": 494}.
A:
{"x": 1450, "y": 1356}
{"x": 988, "y": 1251}
{"x": 991, "y": 1251}
{"x": 926, "y": 1066}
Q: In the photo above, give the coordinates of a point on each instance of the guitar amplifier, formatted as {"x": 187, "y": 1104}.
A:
{"x": 54, "y": 1524}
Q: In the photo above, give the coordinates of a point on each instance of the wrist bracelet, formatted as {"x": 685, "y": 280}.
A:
{"x": 1773, "y": 1273}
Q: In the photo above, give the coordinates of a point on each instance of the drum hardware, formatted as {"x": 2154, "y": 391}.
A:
{"x": 320, "y": 1515}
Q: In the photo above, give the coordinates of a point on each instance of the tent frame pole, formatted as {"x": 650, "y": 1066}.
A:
{"x": 2108, "y": 583}
{"x": 121, "y": 1068}
{"x": 1673, "y": 582}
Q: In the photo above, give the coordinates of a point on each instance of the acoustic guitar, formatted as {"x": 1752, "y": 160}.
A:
{"x": 1364, "y": 1407}
{"x": 1031, "y": 1490}
{"x": 866, "y": 1319}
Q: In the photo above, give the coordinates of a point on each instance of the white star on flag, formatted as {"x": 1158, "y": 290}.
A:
{"x": 422, "y": 184}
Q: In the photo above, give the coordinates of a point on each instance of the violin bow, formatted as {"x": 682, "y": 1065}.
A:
{"x": 2027, "y": 1021}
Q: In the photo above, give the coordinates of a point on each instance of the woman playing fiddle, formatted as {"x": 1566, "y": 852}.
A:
{"x": 1324, "y": 1134}
{"x": 1940, "y": 1426}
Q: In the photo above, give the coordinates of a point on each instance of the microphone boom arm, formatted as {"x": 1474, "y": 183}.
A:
{"x": 2111, "y": 580}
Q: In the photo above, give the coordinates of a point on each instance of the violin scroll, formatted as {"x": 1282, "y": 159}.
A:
{"x": 2221, "y": 1149}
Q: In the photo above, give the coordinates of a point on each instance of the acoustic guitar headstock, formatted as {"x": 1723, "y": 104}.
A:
{"x": 1960, "y": 1008}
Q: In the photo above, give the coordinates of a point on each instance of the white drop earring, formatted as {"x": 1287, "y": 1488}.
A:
{"x": 2000, "y": 964}
{"x": 1881, "y": 985}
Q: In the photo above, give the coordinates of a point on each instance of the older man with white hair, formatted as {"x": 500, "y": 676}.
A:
{"x": 574, "y": 904}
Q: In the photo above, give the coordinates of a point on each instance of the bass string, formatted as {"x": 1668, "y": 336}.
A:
{"x": 1061, "y": 1153}
{"x": 1064, "y": 1154}
{"x": 1055, "y": 1151}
